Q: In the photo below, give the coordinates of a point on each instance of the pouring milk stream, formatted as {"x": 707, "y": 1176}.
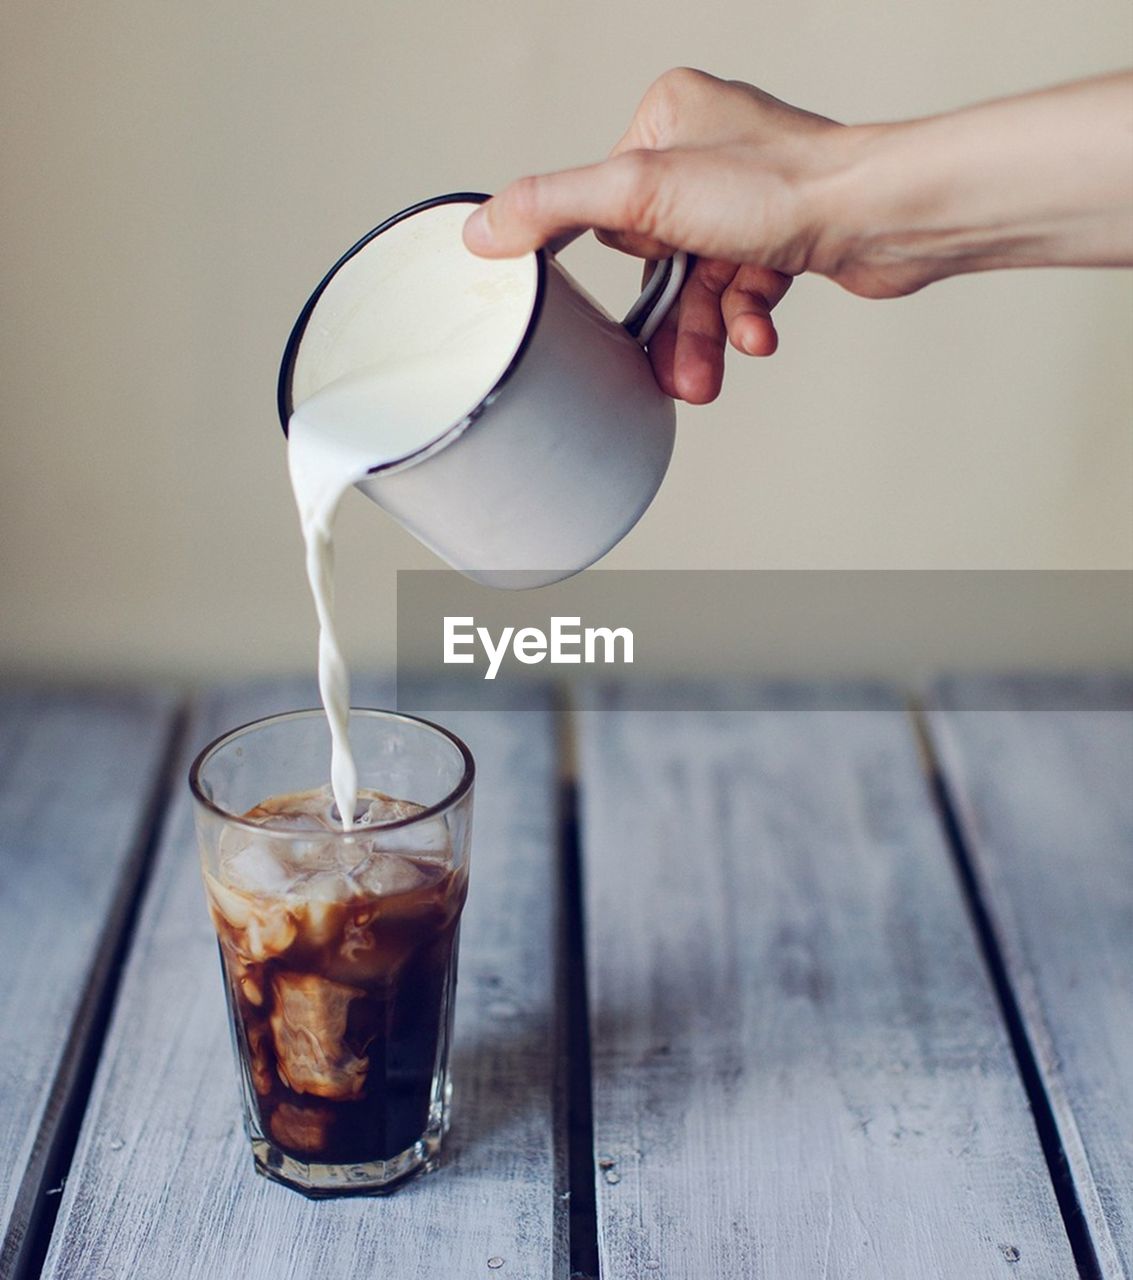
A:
{"x": 369, "y": 419}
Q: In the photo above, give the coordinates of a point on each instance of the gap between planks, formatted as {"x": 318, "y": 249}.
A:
{"x": 1073, "y": 1217}
{"x": 66, "y": 1105}
{"x": 583, "y": 1217}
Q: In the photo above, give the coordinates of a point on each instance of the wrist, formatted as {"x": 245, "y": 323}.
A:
{"x": 877, "y": 207}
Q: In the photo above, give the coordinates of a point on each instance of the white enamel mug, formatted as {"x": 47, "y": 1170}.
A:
{"x": 563, "y": 436}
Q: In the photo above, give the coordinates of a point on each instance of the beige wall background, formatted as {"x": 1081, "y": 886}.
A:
{"x": 175, "y": 179}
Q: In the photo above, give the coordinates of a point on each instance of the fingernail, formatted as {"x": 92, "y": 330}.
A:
{"x": 478, "y": 229}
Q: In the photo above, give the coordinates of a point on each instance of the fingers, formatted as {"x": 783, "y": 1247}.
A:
{"x": 719, "y": 302}
{"x": 746, "y": 305}
{"x": 698, "y": 352}
{"x": 663, "y": 345}
{"x": 620, "y": 195}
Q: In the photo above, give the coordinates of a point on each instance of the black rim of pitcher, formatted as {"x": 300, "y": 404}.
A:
{"x": 284, "y": 402}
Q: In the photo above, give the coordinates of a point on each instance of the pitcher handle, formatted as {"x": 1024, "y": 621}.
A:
{"x": 643, "y": 318}
{"x": 646, "y": 314}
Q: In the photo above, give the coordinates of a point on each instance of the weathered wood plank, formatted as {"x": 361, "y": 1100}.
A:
{"x": 799, "y": 1067}
{"x": 1043, "y": 791}
{"x": 78, "y": 775}
{"x": 163, "y": 1184}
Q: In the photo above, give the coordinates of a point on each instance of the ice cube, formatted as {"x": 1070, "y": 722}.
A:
{"x": 257, "y": 928}
{"x": 427, "y": 840}
{"x": 318, "y": 904}
{"x": 301, "y": 1128}
{"x": 227, "y": 906}
{"x": 327, "y": 883}
{"x": 249, "y": 978}
{"x": 382, "y": 874}
{"x": 374, "y": 808}
{"x": 297, "y": 811}
{"x": 308, "y": 1023}
{"x": 270, "y": 930}
{"x": 259, "y": 866}
{"x": 259, "y": 1061}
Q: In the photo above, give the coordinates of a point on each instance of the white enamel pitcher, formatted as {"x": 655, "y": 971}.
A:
{"x": 563, "y": 436}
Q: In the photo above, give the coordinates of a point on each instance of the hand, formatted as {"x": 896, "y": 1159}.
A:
{"x": 705, "y": 165}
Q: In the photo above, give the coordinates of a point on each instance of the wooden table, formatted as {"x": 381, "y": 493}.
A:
{"x": 805, "y": 991}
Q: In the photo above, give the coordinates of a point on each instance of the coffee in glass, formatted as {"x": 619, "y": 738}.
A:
{"x": 338, "y": 946}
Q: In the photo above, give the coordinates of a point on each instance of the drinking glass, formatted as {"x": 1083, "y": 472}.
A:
{"x": 338, "y": 948}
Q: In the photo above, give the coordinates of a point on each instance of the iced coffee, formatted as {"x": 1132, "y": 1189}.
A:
{"x": 339, "y": 955}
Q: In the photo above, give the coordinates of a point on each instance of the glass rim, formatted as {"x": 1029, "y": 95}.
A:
{"x": 456, "y": 794}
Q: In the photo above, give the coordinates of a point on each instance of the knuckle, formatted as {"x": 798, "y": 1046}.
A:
{"x": 715, "y": 274}
{"x": 680, "y": 81}
{"x": 666, "y": 100}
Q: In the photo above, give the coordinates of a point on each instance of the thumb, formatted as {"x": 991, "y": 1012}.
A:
{"x": 618, "y": 195}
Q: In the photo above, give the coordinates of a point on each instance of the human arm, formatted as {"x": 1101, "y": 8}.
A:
{"x": 761, "y": 191}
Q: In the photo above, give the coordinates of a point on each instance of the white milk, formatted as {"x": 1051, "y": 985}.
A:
{"x": 377, "y": 415}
